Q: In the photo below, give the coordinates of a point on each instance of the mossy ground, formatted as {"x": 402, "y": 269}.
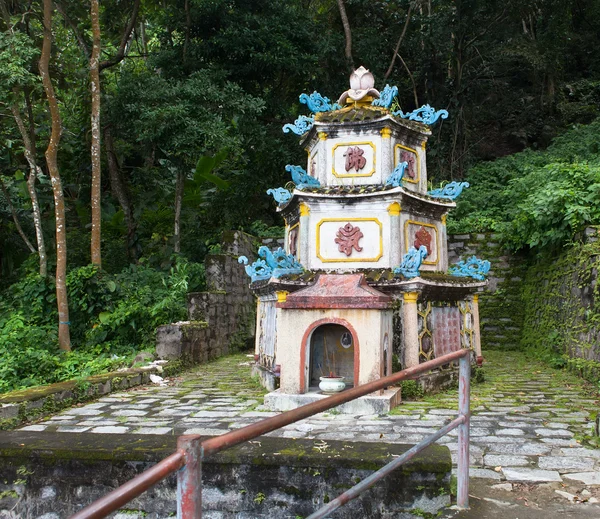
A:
{"x": 226, "y": 373}
{"x": 504, "y": 372}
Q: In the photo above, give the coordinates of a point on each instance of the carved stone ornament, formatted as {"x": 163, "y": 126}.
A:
{"x": 423, "y": 237}
{"x": 451, "y": 190}
{"x": 317, "y": 103}
{"x": 426, "y": 114}
{"x": 273, "y": 264}
{"x": 347, "y": 239}
{"x": 355, "y": 159}
{"x": 361, "y": 85}
{"x": 293, "y": 241}
{"x": 300, "y": 126}
{"x": 411, "y": 262}
{"x": 411, "y": 160}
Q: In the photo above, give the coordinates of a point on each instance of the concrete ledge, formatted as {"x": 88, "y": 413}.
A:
{"x": 437, "y": 381}
{"x": 20, "y": 406}
{"x": 371, "y": 404}
{"x": 59, "y": 473}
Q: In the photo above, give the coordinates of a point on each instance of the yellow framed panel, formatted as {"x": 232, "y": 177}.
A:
{"x": 437, "y": 240}
{"x": 349, "y": 220}
{"x": 353, "y": 175}
{"x": 417, "y": 160}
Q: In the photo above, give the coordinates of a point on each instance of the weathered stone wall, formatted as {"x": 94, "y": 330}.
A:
{"x": 46, "y": 477}
{"x": 546, "y": 303}
{"x": 500, "y": 306}
{"x": 560, "y": 295}
{"x": 222, "y": 319}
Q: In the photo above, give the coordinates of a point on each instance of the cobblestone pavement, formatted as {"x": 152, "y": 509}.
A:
{"x": 528, "y": 423}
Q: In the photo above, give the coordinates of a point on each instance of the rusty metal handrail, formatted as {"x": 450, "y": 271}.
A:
{"x": 190, "y": 451}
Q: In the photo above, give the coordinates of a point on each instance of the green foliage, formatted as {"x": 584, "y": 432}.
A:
{"x": 17, "y": 53}
{"x": 112, "y": 318}
{"x": 556, "y": 202}
{"x": 478, "y": 375}
{"x": 262, "y": 230}
{"x": 536, "y": 199}
{"x": 411, "y": 390}
{"x": 561, "y": 318}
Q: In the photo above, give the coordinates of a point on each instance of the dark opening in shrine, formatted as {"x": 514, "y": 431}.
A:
{"x": 331, "y": 354}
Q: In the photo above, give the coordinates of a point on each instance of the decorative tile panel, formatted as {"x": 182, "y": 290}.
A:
{"x": 403, "y": 153}
{"x": 267, "y": 329}
{"x": 446, "y": 329}
{"x": 417, "y": 234}
{"x": 349, "y": 240}
{"x": 353, "y": 159}
{"x": 424, "y": 313}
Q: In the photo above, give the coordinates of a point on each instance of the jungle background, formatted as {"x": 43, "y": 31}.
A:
{"x": 133, "y": 132}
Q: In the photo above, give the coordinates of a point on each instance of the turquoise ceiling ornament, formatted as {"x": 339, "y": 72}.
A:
{"x": 451, "y": 190}
{"x": 386, "y": 97}
{"x": 317, "y": 103}
{"x": 258, "y": 270}
{"x": 280, "y": 194}
{"x": 395, "y": 179}
{"x": 411, "y": 262}
{"x": 426, "y": 114}
{"x": 300, "y": 126}
{"x": 271, "y": 264}
{"x": 471, "y": 268}
{"x": 301, "y": 178}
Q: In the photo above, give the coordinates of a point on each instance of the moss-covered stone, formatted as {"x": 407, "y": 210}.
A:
{"x": 41, "y": 401}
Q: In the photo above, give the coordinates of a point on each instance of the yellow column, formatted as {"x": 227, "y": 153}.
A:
{"x": 410, "y": 329}
{"x": 476, "y": 331}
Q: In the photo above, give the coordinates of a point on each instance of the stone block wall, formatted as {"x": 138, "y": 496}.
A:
{"x": 501, "y": 307}
{"x": 548, "y": 303}
{"x": 50, "y": 476}
{"x": 561, "y": 296}
{"x": 222, "y": 319}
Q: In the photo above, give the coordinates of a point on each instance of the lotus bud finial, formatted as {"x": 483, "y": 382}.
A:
{"x": 361, "y": 85}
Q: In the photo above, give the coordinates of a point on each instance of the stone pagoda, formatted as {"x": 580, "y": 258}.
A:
{"x": 364, "y": 275}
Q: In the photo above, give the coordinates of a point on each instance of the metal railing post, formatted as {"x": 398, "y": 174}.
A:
{"x": 189, "y": 478}
{"x": 464, "y": 390}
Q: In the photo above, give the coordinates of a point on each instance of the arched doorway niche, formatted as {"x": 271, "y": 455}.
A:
{"x": 332, "y": 352}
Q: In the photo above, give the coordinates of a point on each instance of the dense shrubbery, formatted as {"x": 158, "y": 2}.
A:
{"x": 536, "y": 198}
{"x": 113, "y": 316}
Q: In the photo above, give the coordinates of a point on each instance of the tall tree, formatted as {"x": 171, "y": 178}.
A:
{"x": 64, "y": 335}
{"x": 347, "y": 33}
{"x": 95, "y": 146}
{"x": 15, "y": 217}
{"x": 34, "y": 170}
{"x": 18, "y": 83}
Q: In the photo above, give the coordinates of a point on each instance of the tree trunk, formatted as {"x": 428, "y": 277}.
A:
{"x": 15, "y": 217}
{"x": 120, "y": 55}
{"x": 348, "y": 34}
{"x": 30, "y": 155}
{"x": 179, "y": 185}
{"x": 34, "y": 170}
{"x": 95, "y": 146}
{"x": 64, "y": 336}
{"x": 120, "y": 191}
{"x": 188, "y": 24}
{"x": 397, "y": 49}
